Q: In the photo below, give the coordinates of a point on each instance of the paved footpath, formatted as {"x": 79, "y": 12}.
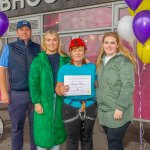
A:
{"x": 131, "y": 139}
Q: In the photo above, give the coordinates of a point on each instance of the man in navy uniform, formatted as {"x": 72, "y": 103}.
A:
{"x": 15, "y": 60}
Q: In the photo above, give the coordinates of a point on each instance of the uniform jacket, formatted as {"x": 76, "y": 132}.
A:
{"x": 48, "y": 127}
{"x": 20, "y": 59}
{"x": 115, "y": 91}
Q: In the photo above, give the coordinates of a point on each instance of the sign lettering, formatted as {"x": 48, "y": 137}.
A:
{"x": 6, "y": 5}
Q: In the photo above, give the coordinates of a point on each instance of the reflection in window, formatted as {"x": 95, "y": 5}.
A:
{"x": 51, "y": 22}
{"x": 36, "y": 39}
{"x": 65, "y": 44}
{"x": 93, "y": 45}
{"x": 13, "y": 39}
{"x": 2, "y": 43}
{"x": 79, "y": 20}
{"x": 123, "y": 12}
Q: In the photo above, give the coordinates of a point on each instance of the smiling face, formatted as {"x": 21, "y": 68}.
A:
{"x": 110, "y": 45}
{"x": 51, "y": 43}
{"x": 77, "y": 54}
{"x": 24, "y": 33}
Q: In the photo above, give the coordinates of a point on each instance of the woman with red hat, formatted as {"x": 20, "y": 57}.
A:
{"x": 76, "y": 82}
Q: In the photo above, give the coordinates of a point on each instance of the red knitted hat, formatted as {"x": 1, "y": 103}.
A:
{"x": 77, "y": 42}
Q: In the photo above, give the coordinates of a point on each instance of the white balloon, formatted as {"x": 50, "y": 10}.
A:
{"x": 125, "y": 29}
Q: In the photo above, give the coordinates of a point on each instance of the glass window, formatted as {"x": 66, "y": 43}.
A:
{"x": 93, "y": 45}
{"x": 12, "y": 39}
{"x": 144, "y": 73}
{"x": 36, "y": 39}
{"x": 51, "y": 22}
{"x": 65, "y": 43}
{"x": 123, "y": 12}
{"x": 2, "y": 43}
{"x": 79, "y": 20}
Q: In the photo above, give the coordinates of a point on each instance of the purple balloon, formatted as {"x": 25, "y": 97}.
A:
{"x": 141, "y": 26}
{"x": 133, "y": 4}
{"x": 4, "y": 22}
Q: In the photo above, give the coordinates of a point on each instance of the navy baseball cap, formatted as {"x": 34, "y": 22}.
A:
{"x": 23, "y": 23}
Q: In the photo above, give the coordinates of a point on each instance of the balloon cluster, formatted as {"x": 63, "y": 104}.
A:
{"x": 4, "y": 23}
{"x": 137, "y": 26}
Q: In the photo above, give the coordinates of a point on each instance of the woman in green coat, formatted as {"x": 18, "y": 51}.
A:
{"x": 49, "y": 131}
{"x": 115, "y": 72}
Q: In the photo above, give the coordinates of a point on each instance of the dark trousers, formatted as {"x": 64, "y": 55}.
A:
{"x": 78, "y": 130}
{"x": 115, "y": 136}
{"x": 20, "y": 105}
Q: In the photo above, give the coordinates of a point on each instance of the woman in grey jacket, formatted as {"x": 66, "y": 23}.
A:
{"x": 115, "y": 69}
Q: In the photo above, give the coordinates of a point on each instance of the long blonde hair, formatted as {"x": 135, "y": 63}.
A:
{"x": 120, "y": 48}
{"x": 52, "y": 32}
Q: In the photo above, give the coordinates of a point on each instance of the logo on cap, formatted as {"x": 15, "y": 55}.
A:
{"x": 24, "y": 22}
{"x": 76, "y": 42}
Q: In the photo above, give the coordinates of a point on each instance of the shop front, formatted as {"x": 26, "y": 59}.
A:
{"x": 88, "y": 19}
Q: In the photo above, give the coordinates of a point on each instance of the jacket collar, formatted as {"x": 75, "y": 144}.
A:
{"x": 117, "y": 54}
{"x": 22, "y": 42}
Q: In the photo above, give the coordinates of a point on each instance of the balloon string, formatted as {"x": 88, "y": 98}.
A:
{"x": 140, "y": 91}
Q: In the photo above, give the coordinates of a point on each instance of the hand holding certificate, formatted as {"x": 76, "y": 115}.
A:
{"x": 78, "y": 84}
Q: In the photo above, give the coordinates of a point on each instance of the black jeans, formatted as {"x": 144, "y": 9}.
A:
{"x": 115, "y": 136}
{"x": 78, "y": 130}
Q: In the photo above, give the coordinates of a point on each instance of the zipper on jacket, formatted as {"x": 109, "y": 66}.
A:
{"x": 26, "y": 70}
{"x": 54, "y": 99}
{"x": 54, "y": 108}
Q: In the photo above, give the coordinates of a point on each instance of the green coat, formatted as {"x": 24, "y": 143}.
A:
{"x": 115, "y": 91}
{"x": 48, "y": 127}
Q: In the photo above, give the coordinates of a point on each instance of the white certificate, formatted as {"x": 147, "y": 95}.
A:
{"x": 78, "y": 84}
